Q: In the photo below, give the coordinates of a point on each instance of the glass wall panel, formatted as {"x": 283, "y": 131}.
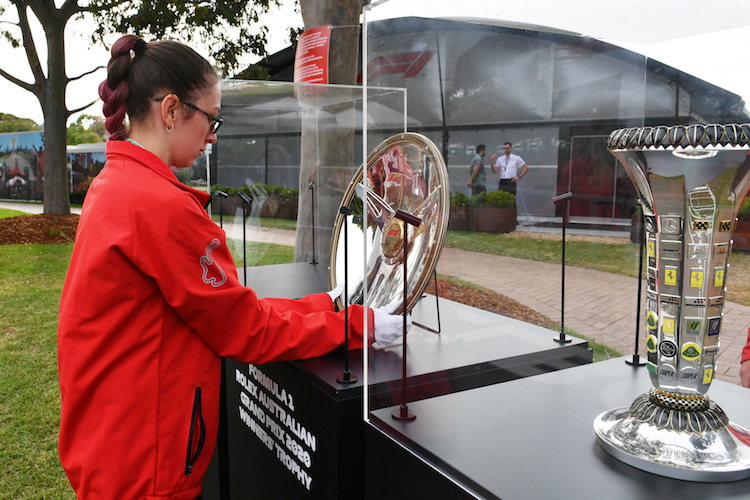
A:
{"x": 299, "y": 144}
{"x": 491, "y": 83}
{"x": 556, "y": 92}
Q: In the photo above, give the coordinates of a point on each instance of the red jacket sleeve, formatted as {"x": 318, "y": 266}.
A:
{"x": 746, "y": 350}
{"x": 186, "y": 254}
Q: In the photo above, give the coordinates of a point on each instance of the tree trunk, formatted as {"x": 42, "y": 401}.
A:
{"x": 52, "y": 99}
{"x": 327, "y": 158}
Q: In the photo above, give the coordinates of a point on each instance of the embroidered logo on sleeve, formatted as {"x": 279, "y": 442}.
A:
{"x": 213, "y": 274}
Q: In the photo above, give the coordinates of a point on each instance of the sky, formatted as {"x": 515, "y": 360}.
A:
{"x": 709, "y": 43}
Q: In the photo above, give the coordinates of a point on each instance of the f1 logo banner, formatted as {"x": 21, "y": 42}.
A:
{"x": 407, "y": 64}
{"x": 311, "y": 59}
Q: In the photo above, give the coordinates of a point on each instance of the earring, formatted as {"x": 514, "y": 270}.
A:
{"x": 170, "y": 127}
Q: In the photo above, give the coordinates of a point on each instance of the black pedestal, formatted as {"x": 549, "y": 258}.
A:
{"x": 529, "y": 438}
{"x": 293, "y": 431}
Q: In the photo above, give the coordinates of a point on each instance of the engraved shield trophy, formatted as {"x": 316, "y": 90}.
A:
{"x": 405, "y": 172}
{"x": 691, "y": 181}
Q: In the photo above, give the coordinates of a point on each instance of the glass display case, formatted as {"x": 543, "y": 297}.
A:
{"x": 293, "y": 149}
{"x": 533, "y": 107}
{"x": 396, "y": 153}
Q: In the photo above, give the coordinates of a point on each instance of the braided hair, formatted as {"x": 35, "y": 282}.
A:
{"x": 138, "y": 71}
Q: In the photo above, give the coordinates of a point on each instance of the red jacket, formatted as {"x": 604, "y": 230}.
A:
{"x": 150, "y": 304}
{"x": 746, "y": 349}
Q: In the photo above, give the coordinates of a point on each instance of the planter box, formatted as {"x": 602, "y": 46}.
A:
{"x": 279, "y": 209}
{"x": 741, "y": 236}
{"x": 484, "y": 219}
{"x": 493, "y": 220}
{"x": 227, "y": 206}
{"x": 460, "y": 219}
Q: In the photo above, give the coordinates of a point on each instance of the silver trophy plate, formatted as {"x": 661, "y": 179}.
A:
{"x": 405, "y": 172}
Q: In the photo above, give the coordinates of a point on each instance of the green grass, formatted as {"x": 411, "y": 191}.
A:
{"x": 31, "y": 279}
{"x": 271, "y": 222}
{"x": 260, "y": 254}
{"x": 4, "y": 212}
{"x": 612, "y": 258}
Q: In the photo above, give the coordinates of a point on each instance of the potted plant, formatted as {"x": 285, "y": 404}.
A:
{"x": 741, "y": 234}
{"x": 493, "y": 212}
{"x": 276, "y": 201}
{"x": 225, "y": 206}
{"x": 460, "y": 212}
{"x": 268, "y": 200}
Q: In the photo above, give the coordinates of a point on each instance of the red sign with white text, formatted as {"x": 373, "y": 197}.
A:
{"x": 311, "y": 59}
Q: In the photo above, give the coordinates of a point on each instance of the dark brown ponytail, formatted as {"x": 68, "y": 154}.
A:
{"x": 137, "y": 71}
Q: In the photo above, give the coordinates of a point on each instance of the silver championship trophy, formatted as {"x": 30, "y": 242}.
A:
{"x": 691, "y": 181}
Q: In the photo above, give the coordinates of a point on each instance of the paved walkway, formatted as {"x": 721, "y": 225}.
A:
{"x": 598, "y": 305}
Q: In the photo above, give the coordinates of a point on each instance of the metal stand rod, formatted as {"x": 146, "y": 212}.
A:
{"x": 221, "y": 195}
{"x": 346, "y": 377}
{"x": 312, "y": 219}
{"x": 557, "y": 200}
{"x": 636, "y": 361}
{"x": 437, "y": 309}
{"x": 246, "y": 201}
{"x": 404, "y": 413}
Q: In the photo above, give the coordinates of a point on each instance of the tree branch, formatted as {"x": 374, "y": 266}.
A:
{"x": 103, "y": 7}
{"x": 86, "y": 73}
{"x": 74, "y": 111}
{"x": 29, "y": 46}
{"x": 70, "y": 8}
{"x": 20, "y": 83}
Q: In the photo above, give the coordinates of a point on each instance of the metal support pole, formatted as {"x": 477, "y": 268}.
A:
{"x": 312, "y": 219}
{"x": 563, "y": 198}
{"x": 346, "y": 377}
{"x": 403, "y": 413}
{"x": 222, "y": 195}
{"x": 636, "y": 361}
{"x": 246, "y": 201}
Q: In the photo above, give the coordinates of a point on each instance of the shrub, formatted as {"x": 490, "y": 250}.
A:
{"x": 459, "y": 199}
{"x": 260, "y": 191}
{"x": 498, "y": 199}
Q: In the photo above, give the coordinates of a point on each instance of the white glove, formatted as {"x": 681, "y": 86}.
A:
{"x": 389, "y": 326}
{"x": 336, "y": 292}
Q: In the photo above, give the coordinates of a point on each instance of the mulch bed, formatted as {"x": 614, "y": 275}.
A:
{"x": 38, "y": 229}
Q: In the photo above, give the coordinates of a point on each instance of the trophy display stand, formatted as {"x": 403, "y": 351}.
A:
{"x": 403, "y": 412}
{"x": 691, "y": 181}
{"x": 246, "y": 204}
{"x": 565, "y": 200}
{"x": 636, "y": 360}
{"x": 346, "y": 377}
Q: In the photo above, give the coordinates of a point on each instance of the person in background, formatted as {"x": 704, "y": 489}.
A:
{"x": 478, "y": 176}
{"x": 512, "y": 168}
{"x": 152, "y": 301}
{"x": 745, "y": 363}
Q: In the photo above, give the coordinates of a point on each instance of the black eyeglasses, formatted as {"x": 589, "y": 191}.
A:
{"x": 215, "y": 122}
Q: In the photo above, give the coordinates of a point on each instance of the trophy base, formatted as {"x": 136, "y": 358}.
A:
{"x": 700, "y": 446}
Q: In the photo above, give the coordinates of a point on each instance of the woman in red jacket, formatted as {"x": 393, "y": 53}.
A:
{"x": 152, "y": 301}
